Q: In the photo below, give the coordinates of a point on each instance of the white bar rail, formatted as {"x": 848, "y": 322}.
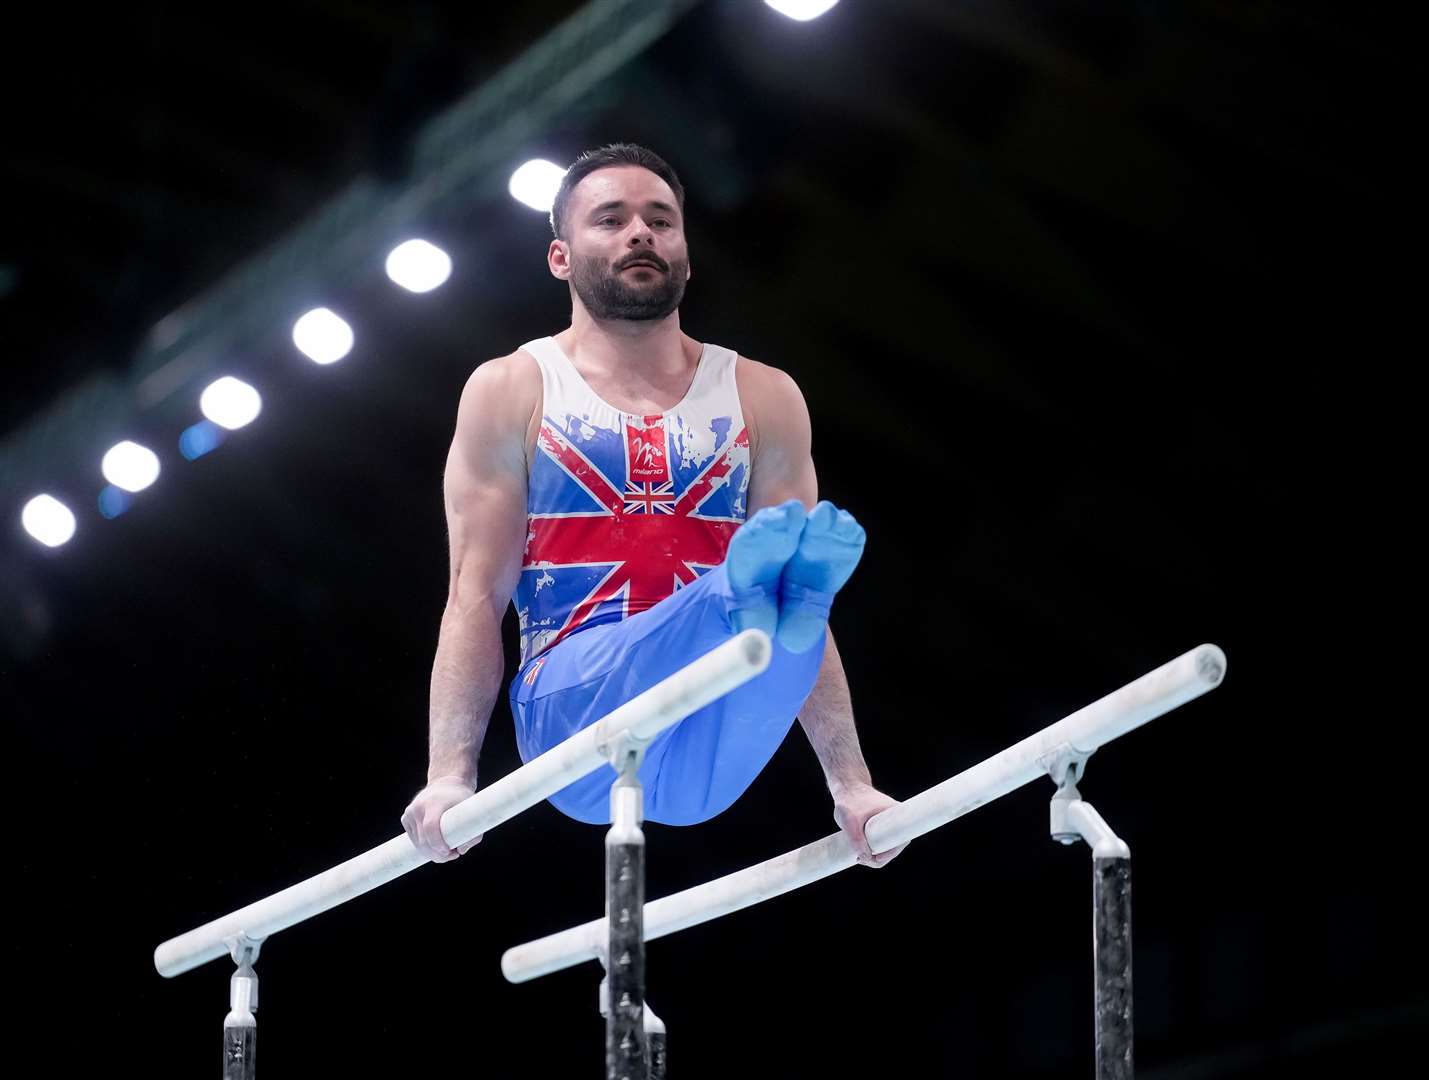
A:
{"x": 692, "y": 688}
{"x": 1187, "y": 677}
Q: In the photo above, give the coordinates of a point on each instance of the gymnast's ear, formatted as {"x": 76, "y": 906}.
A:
{"x": 558, "y": 259}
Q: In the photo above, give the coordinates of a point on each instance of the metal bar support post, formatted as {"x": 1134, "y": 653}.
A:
{"x": 240, "y": 1026}
{"x": 1072, "y": 819}
{"x": 628, "y": 1049}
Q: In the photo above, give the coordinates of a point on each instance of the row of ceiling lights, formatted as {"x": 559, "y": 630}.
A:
{"x": 323, "y": 336}
{"x": 228, "y": 403}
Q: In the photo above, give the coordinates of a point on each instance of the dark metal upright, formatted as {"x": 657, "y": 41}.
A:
{"x": 1111, "y": 901}
{"x": 625, "y": 1041}
{"x": 1073, "y": 820}
{"x": 655, "y": 1044}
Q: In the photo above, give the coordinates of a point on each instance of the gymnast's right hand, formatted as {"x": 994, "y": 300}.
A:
{"x": 422, "y": 820}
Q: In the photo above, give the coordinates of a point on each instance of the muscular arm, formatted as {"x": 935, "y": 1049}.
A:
{"x": 783, "y": 468}
{"x": 485, "y": 495}
{"x": 827, "y": 719}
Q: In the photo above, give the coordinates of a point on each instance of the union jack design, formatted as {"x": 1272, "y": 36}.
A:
{"x": 618, "y": 521}
{"x": 649, "y": 498}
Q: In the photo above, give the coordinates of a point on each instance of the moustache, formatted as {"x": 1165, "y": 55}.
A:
{"x": 654, "y": 260}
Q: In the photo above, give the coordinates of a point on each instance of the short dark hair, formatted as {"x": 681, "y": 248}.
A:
{"x": 606, "y": 157}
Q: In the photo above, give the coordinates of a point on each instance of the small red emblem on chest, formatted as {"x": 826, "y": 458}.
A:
{"x": 645, "y": 449}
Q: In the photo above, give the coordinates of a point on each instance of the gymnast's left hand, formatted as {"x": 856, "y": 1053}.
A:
{"x": 854, "y": 804}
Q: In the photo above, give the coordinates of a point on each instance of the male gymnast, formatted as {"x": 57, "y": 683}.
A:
{"x": 639, "y": 497}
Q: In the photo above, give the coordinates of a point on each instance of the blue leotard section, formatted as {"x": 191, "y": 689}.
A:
{"x": 699, "y": 767}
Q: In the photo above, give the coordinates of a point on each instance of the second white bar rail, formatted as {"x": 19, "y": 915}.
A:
{"x": 687, "y": 691}
{"x": 1078, "y": 735}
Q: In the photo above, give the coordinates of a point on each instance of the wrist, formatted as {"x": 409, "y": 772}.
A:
{"x": 842, "y": 786}
{"x": 452, "y": 778}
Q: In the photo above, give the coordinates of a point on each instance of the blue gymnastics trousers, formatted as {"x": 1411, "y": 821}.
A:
{"x": 700, "y": 766}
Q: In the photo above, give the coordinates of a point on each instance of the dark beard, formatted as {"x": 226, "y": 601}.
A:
{"x": 606, "y": 296}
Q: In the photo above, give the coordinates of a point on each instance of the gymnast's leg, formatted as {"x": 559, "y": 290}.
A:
{"x": 780, "y": 574}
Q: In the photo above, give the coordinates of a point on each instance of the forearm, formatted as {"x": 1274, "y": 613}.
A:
{"x": 466, "y": 681}
{"x": 827, "y": 717}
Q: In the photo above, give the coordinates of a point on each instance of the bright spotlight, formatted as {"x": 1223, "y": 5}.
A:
{"x": 130, "y": 466}
{"x": 536, "y": 184}
{"x": 322, "y": 337}
{"x": 803, "y": 10}
{"x": 418, "y": 266}
{"x": 230, "y": 403}
{"x": 48, "y": 520}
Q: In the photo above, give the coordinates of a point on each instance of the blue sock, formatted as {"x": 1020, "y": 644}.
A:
{"x": 756, "y": 557}
{"x": 829, "y": 549}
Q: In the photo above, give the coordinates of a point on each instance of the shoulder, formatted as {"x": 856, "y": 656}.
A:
{"x": 764, "y": 381}
{"x": 766, "y": 390}
{"x": 515, "y": 375}
{"x": 506, "y": 386}
{"x": 499, "y": 402}
{"x": 772, "y": 403}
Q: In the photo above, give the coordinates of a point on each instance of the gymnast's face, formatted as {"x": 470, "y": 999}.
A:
{"x": 625, "y": 255}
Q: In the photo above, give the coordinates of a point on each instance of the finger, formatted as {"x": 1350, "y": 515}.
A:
{"x": 469, "y": 845}
{"x": 863, "y": 843}
{"x": 439, "y": 849}
{"x": 413, "y": 829}
{"x": 888, "y": 856}
{"x": 432, "y": 827}
{"x": 861, "y": 851}
{"x": 432, "y": 841}
{"x": 443, "y": 851}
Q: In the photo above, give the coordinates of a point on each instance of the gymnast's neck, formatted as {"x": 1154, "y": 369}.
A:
{"x": 622, "y": 347}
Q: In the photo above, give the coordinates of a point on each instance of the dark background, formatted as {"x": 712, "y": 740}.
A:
{"x": 1089, "y": 303}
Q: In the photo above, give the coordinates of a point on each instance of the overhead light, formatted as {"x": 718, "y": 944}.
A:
{"x": 230, "y": 403}
{"x": 803, "y": 10}
{"x": 130, "y": 466}
{"x": 418, "y": 266}
{"x": 48, "y": 520}
{"x": 113, "y": 502}
{"x": 322, "y": 336}
{"x": 536, "y": 184}
{"x": 198, "y": 439}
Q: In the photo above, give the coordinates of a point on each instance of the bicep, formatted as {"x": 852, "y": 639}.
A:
{"x": 484, "y": 490}
{"x": 783, "y": 467}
